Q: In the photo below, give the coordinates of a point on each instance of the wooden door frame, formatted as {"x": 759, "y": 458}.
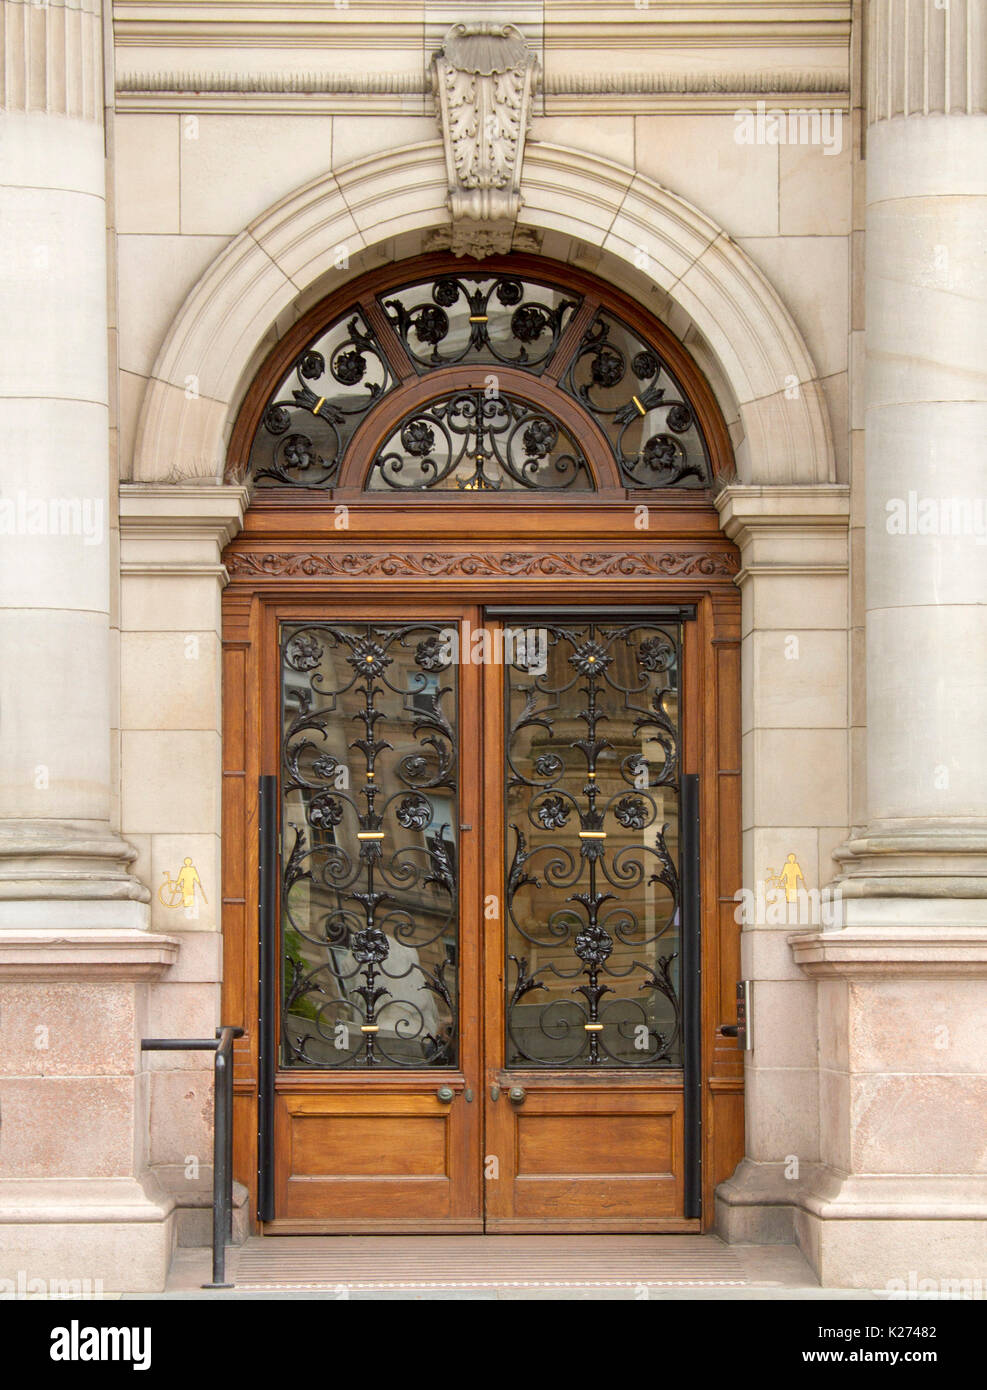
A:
{"x": 612, "y": 546}
{"x": 524, "y": 554}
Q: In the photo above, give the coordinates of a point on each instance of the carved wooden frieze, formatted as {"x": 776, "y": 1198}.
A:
{"x": 708, "y": 563}
{"x": 483, "y": 78}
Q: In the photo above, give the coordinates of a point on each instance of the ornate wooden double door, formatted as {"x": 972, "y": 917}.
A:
{"x": 484, "y": 975}
{"x": 481, "y": 764}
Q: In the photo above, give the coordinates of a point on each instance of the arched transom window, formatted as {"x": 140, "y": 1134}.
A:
{"x": 481, "y": 381}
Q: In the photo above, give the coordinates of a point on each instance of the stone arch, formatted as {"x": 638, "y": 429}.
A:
{"x": 587, "y": 210}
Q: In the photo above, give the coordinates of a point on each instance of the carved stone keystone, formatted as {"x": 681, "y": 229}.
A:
{"x": 484, "y": 76}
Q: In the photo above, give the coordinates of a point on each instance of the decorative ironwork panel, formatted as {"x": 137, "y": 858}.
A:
{"x": 474, "y": 442}
{"x": 369, "y": 889}
{"x": 479, "y": 319}
{"x": 333, "y": 383}
{"x": 592, "y": 844}
{"x": 632, "y": 393}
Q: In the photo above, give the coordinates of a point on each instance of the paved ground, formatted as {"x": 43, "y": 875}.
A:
{"x": 503, "y": 1268}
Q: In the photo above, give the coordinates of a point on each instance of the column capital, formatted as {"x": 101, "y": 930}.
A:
{"x": 179, "y": 529}
{"x": 925, "y": 58}
{"x": 53, "y": 58}
{"x": 793, "y": 529}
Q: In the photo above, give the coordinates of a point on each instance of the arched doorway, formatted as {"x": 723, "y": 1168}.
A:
{"x": 481, "y": 694}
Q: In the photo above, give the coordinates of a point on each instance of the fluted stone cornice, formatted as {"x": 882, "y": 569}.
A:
{"x": 596, "y": 83}
{"x": 925, "y": 57}
{"x": 52, "y": 57}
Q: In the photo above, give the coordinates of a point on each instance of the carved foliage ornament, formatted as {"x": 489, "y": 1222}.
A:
{"x": 702, "y": 562}
{"x": 483, "y": 78}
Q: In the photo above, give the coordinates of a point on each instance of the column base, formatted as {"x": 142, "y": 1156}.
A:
{"x": 74, "y": 1009}
{"x": 193, "y": 1205}
{"x": 83, "y": 1237}
{"x": 57, "y": 875}
{"x": 921, "y": 859}
{"x": 757, "y": 1205}
{"x": 913, "y": 1236}
{"x": 909, "y": 1235}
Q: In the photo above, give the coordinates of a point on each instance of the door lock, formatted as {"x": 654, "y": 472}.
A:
{"x": 446, "y": 1094}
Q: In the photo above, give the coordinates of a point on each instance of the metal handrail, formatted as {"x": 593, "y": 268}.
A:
{"x": 222, "y": 1142}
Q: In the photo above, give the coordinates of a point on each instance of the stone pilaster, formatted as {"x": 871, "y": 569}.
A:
{"x": 793, "y": 578}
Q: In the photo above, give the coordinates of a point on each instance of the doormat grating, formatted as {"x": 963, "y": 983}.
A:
{"x": 483, "y": 1262}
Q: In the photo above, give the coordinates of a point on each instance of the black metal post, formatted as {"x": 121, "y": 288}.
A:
{"x": 219, "y": 1197}
{"x": 268, "y": 1009}
{"x": 691, "y": 998}
{"x": 222, "y": 1145}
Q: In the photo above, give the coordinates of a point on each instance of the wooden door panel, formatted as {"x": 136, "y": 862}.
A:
{"x": 351, "y": 1161}
{"x": 583, "y": 1159}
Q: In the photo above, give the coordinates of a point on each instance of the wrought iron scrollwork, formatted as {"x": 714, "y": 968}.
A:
{"x": 369, "y": 888}
{"x": 475, "y": 442}
{"x": 593, "y": 885}
{"x": 623, "y": 383}
{"x": 628, "y": 388}
{"x": 502, "y": 319}
{"x": 336, "y": 379}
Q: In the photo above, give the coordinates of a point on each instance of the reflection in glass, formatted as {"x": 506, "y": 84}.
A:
{"x": 593, "y": 836}
{"x": 369, "y": 906}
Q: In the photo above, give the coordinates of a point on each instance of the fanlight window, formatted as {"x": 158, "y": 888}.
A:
{"x": 474, "y": 442}
{"x": 484, "y": 435}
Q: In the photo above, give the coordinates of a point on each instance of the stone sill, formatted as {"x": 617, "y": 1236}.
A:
{"x": 872, "y": 953}
{"x": 71, "y": 956}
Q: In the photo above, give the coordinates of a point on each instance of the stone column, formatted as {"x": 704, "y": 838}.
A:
{"x": 905, "y": 994}
{"x": 57, "y": 848}
{"x": 75, "y": 951}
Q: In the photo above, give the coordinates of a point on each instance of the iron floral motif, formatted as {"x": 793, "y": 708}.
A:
{"x": 479, "y": 443}
{"x": 369, "y": 890}
{"x": 336, "y": 383}
{"x": 623, "y": 395}
{"x": 607, "y": 678}
{"x": 504, "y": 323}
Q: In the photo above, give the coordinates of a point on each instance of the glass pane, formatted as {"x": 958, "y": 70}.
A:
{"x": 634, "y": 397}
{"x": 324, "y": 395}
{"x": 592, "y": 847}
{"x": 472, "y": 442}
{"x": 479, "y": 318}
{"x": 369, "y": 906}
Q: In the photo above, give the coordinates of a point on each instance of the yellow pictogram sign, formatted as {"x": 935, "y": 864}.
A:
{"x": 180, "y": 890}
{"x": 787, "y": 878}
